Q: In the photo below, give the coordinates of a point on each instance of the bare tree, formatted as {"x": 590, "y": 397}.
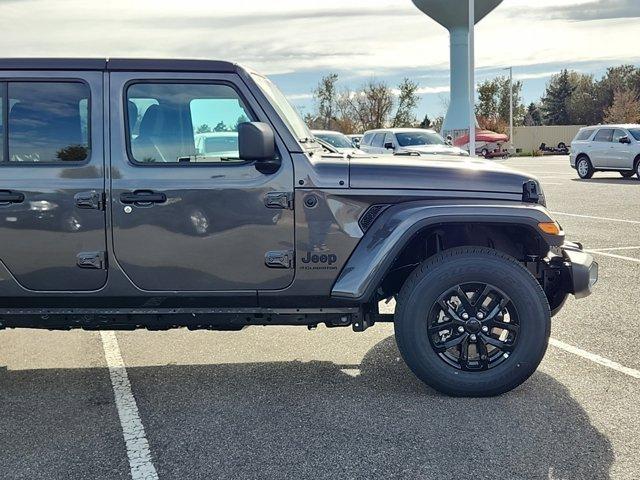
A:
{"x": 407, "y": 103}
{"x": 326, "y": 96}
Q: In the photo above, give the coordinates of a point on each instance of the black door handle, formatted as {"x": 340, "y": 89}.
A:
{"x": 142, "y": 197}
{"x": 7, "y": 196}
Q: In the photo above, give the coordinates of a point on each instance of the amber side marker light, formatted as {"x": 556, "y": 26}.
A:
{"x": 552, "y": 228}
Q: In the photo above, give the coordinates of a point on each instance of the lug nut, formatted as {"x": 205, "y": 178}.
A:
{"x": 506, "y": 355}
{"x": 473, "y": 338}
{"x": 465, "y": 316}
{"x": 461, "y": 329}
{"x": 485, "y": 329}
{"x": 480, "y": 316}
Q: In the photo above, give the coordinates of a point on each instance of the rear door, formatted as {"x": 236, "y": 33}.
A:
{"x": 188, "y": 218}
{"x": 52, "y": 225}
{"x": 602, "y": 150}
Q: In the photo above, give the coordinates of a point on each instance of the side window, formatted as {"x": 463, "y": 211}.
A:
{"x": 584, "y": 135}
{"x": 184, "y": 123}
{"x": 390, "y": 138}
{"x": 48, "y": 122}
{"x": 378, "y": 140}
{"x": 604, "y": 135}
{"x": 618, "y": 134}
{"x": 366, "y": 140}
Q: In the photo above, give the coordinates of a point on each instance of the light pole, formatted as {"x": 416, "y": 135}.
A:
{"x": 510, "y": 105}
{"x": 472, "y": 79}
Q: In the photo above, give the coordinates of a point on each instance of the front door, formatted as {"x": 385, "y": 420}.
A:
{"x": 623, "y": 151}
{"x": 188, "y": 213}
{"x": 52, "y": 222}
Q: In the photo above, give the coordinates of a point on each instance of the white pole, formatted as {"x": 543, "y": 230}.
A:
{"x": 511, "y": 106}
{"x": 472, "y": 79}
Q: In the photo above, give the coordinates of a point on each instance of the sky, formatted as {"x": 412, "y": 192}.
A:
{"x": 296, "y": 42}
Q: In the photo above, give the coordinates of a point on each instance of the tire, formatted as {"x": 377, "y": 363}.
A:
{"x": 584, "y": 168}
{"x": 562, "y": 146}
{"x": 628, "y": 174}
{"x": 484, "y": 153}
{"x": 472, "y": 266}
{"x": 638, "y": 167}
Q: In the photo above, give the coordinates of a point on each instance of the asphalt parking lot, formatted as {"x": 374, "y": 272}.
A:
{"x": 291, "y": 403}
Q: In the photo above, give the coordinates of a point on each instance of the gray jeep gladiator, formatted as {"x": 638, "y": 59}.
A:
{"x": 184, "y": 193}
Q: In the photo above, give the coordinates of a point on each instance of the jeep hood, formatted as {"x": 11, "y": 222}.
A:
{"x": 435, "y": 173}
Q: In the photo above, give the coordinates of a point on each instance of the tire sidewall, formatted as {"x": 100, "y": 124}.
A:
{"x": 511, "y": 278}
{"x": 589, "y": 168}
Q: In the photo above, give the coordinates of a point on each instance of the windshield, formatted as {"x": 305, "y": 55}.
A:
{"x": 635, "y": 132}
{"x": 411, "y": 139}
{"x": 284, "y": 108}
{"x": 337, "y": 140}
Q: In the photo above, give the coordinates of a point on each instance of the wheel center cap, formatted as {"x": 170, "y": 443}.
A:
{"x": 473, "y": 326}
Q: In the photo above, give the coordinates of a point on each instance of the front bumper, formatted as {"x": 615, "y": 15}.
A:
{"x": 581, "y": 269}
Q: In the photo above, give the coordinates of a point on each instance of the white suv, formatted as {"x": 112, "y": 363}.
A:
{"x": 607, "y": 147}
{"x": 407, "y": 141}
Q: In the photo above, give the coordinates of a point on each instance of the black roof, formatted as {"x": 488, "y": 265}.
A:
{"x": 118, "y": 64}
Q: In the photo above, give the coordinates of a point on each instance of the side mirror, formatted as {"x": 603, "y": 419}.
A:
{"x": 257, "y": 143}
{"x": 625, "y": 139}
{"x": 388, "y": 146}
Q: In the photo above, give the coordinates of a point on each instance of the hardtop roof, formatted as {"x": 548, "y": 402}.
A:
{"x": 119, "y": 64}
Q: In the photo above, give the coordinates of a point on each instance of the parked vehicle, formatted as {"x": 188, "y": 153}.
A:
{"x": 607, "y": 148}
{"x": 168, "y": 234}
{"x": 337, "y": 140}
{"x": 561, "y": 149}
{"x": 488, "y": 144}
{"x": 356, "y": 139}
{"x": 407, "y": 141}
{"x": 223, "y": 145}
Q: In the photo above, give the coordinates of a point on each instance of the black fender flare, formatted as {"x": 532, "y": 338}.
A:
{"x": 396, "y": 226}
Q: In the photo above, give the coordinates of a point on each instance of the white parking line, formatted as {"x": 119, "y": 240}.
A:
{"x": 612, "y": 249}
{"x": 134, "y": 436}
{"x": 635, "y": 222}
{"x": 613, "y": 255}
{"x": 605, "y": 362}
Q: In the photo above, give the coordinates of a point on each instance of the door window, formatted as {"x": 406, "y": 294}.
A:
{"x": 604, "y": 135}
{"x": 366, "y": 140}
{"x": 618, "y": 134}
{"x": 378, "y": 140}
{"x": 389, "y": 138}
{"x": 170, "y": 123}
{"x": 47, "y": 122}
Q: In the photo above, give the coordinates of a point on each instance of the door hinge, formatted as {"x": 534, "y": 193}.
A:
{"x": 92, "y": 260}
{"x": 92, "y": 200}
{"x": 282, "y": 200}
{"x": 279, "y": 259}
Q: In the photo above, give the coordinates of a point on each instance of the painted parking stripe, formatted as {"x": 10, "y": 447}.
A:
{"x": 132, "y": 429}
{"x": 605, "y": 362}
{"x": 613, "y": 255}
{"x": 635, "y": 222}
{"x": 613, "y": 249}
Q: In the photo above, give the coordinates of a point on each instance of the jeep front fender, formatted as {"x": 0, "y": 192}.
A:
{"x": 396, "y": 226}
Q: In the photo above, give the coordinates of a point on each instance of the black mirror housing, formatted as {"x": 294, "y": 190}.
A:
{"x": 388, "y": 146}
{"x": 256, "y": 142}
{"x": 624, "y": 139}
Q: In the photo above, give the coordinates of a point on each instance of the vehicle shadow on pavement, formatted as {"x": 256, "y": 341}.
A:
{"x": 609, "y": 180}
{"x": 313, "y": 420}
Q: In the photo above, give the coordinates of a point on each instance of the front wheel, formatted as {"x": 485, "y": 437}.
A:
{"x": 472, "y": 321}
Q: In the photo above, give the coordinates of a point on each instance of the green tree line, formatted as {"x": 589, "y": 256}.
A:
{"x": 570, "y": 98}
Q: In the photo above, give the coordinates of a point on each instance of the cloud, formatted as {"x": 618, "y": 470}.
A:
{"x": 587, "y": 11}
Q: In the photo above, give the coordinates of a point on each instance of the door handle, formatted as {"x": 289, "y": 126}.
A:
{"x": 142, "y": 197}
{"x": 8, "y": 196}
